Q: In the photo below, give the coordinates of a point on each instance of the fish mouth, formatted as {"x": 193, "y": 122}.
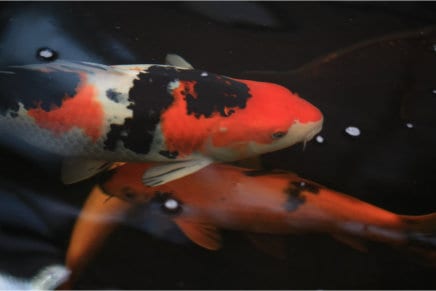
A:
{"x": 311, "y": 134}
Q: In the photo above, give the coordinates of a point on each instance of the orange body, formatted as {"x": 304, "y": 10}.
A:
{"x": 227, "y": 197}
{"x": 234, "y": 198}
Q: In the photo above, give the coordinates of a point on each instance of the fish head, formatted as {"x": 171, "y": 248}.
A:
{"x": 273, "y": 118}
{"x": 229, "y": 119}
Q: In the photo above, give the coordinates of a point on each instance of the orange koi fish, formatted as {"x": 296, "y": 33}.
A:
{"x": 227, "y": 197}
{"x": 183, "y": 118}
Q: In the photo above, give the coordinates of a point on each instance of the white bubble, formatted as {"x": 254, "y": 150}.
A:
{"x": 204, "y": 74}
{"x": 434, "y": 47}
{"x": 46, "y": 53}
{"x": 434, "y": 91}
{"x": 319, "y": 139}
{"x": 352, "y": 131}
{"x": 171, "y": 204}
{"x": 409, "y": 125}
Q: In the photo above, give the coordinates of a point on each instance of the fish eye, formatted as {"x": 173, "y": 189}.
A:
{"x": 171, "y": 205}
{"x": 278, "y": 134}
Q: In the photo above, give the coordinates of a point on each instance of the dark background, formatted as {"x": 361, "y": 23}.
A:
{"x": 370, "y": 65}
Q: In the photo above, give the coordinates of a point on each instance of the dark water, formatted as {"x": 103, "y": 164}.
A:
{"x": 368, "y": 65}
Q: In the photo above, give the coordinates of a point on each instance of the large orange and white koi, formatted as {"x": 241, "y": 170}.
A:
{"x": 173, "y": 114}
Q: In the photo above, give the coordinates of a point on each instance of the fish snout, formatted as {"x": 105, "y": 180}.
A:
{"x": 313, "y": 129}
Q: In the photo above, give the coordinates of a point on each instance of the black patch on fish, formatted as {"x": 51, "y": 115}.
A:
{"x": 35, "y": 89}
{"x": 216, "y": 94}
{"x": 150, "y": 97}
{"x": 169, "y": 155}
{"x": 114, "y": 95}
{"x": 295, "y": 196}
{"x": 295, "y": 199}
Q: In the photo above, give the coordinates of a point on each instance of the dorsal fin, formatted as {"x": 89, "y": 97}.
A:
{"x": 177, "y": 61}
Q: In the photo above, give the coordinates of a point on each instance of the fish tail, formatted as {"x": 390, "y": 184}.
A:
{"x": 420, "y": 236}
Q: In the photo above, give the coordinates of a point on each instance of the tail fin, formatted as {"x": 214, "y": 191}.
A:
{"x": 420, "y": 234}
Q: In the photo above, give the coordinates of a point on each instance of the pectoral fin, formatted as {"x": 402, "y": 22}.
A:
{"x": 99, "y": 217}
{"x": 76, "y": 169}
{"x": 205, "y": 235}
{"x": 163, "y": 173}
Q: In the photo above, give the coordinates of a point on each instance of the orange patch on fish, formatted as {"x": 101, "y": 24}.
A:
{"x": 82, "y": 111}
{"x": 184, "y": 133}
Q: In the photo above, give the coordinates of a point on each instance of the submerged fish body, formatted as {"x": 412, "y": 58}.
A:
{"x": 158, "y": 113}
{"x": 227, "y": 197}
{"x": 274, "y": 202}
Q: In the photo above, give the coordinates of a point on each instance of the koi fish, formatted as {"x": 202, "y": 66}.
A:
{"x": 49, "y": 278}
{"x": 185, "y": 119}
{"x": 222, "y": 196}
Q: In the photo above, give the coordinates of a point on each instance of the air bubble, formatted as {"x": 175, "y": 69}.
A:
{"x": 409, "y": 125}
{"x": 319, "y": 139}
{"x": 204, "y": 74}
{"x": 171, "y": 204}
{"x": 352, "y": 131}
{"x": 46, "y": 54}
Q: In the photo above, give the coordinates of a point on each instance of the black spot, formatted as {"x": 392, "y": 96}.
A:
{"x": 35, "y": 89}
{"x": 295, "y": 199}
{"x": 278, "y": 134}
{"x": 46, "y": 54}
{"x": 114, "y": 95}
{"x": 295, "y": 193}
{"x": 169, "y": 155}
{"x": 149, "y": 98}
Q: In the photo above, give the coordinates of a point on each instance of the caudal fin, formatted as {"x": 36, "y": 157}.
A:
{"x": 420, "y": 233}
